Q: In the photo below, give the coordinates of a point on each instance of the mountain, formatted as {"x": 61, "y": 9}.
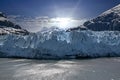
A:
{"x": 4, "y": 22}
{"x": 55, "y": 43}
{"x": 77, "y": 28}
{"x": 7, "y": 26}
{"x": 107, "y": 21}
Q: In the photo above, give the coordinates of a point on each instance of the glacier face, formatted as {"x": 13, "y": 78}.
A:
{"x": 61, "y": 44}
{"x": 103, "y": 41}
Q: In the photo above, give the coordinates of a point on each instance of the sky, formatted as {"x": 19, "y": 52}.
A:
{"x": 57, "y": 8}
{"x": 33, "y": 15}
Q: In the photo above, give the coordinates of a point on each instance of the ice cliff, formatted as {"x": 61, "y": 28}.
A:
{"x": 102, "y": 39}
{"x": 61, "y": 44}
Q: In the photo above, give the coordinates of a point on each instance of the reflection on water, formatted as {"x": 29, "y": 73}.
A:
{"x": 92, "y": 69}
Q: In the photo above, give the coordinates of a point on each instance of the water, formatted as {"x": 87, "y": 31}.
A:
{"x": 91, "y": 69}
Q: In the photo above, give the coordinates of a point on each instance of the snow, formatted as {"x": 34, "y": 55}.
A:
{"x": 107, "y": 21}
{"x": 115, "y": 9}
{"x": 2, "y": 19}
{"x": 10, "y": 30}
{"x": 7, "y": 27}
{"x": 61, "y": 44}
{"x": 54, "y": 43}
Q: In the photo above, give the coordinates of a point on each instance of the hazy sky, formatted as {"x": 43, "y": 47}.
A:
{"x": 57, "y": 8}
{"x": 34, "y": 15}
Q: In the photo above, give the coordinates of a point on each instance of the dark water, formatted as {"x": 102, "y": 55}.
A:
{"x": 92, "y": 69}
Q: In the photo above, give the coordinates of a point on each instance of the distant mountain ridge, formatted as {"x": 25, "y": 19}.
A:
{"x": 4, "y": 22}
{"x": 107, "y": 21}
{"x": 54, "y": 43}
{"x": 7, "y": 26}
{"x": 115, "y": 9}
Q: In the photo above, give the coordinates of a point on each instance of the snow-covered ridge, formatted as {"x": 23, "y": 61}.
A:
{"x": 103, "y": 41}
{"x": 61, "y": 44}
{"x": 115, "y": 9}
{"x": 2, "y": 17}
{"x": 4, "y": 31}
{"x": 4, "y": 22}
{"x": 107, "y": 21}
{"x": 7, "y": 27}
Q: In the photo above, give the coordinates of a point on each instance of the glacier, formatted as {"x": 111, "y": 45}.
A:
{"x": 58, "y": 44}
{"x": 99, "y": 37}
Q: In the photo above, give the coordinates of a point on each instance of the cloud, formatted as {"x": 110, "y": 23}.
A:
{"x": 38, "y": 23}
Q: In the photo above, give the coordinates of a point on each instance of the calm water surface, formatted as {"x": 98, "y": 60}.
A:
{"x": 90, "y": 69}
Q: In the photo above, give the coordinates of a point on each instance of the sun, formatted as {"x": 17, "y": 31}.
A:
{"x": 63, "y": 22}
